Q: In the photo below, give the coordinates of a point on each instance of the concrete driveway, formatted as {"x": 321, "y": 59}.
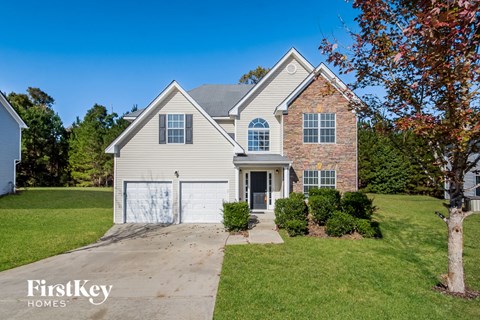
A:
{"x": 155, "y": 273}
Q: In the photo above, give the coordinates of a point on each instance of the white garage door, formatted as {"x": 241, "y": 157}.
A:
{"x": 202, "y": 202}
{"x": 149, "y": 202}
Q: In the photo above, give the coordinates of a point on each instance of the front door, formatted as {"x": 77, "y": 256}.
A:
{"x": 258, "y": 190}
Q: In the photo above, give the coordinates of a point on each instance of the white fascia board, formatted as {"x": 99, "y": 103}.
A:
{"x": 113, "y": 147}
{"x": 291, "y": 53}
{"x": 12, "y": 112}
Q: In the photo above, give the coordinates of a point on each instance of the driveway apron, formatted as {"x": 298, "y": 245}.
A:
{"x": 159, "y": 273}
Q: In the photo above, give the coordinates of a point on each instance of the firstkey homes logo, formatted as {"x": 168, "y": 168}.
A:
{"x": 57, "y": 295}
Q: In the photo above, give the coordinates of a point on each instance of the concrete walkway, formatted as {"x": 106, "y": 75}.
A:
{"x": 262, "y": 231}
{"x": 155, "y": 273}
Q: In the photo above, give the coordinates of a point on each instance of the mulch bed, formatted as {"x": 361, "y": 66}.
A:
{"x": 317, "y": 231}
{"x": 468, "y": 295}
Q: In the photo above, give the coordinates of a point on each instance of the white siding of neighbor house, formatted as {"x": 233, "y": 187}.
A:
{"x": 227, "y": 125}
{"x": 142, "y": 158}
{"x": 263, "y": 103}
{"x": 9, "y": 149}
{"x": 470, "y": 180}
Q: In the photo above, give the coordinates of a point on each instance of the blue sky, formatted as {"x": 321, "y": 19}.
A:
{"x": 121, "y": 53}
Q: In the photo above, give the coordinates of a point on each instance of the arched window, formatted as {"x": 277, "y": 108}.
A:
{"x": 258, "y": 135}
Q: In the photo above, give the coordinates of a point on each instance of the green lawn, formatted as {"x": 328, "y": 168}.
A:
{"x": 42, "y": 222}
{"x": 390, "y": 278}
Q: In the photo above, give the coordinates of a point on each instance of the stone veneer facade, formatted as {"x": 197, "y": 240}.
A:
{"x": 320, "y": 96}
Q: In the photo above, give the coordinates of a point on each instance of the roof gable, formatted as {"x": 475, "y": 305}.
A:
{"x": 112, "y": 148}
{"x": 327, "y": 74}
{"x": 4, "y": 102}
{"x": 291, "y": 53}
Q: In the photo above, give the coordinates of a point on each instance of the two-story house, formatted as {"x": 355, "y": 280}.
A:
{"x": 188, "y": 152}
{"x": 11, "y": 126}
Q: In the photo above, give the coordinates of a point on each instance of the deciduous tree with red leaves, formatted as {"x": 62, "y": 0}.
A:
{"x": 424, "y": 55}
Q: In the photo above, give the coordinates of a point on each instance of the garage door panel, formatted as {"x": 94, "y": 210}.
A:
{"x": 149, "y": 202}
{"x": 202, "y": 202}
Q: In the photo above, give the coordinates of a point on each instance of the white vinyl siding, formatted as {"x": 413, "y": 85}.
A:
{"x": 318, "y": 179}
{"x": 227, "y": 125}
{"x": 319, "y": 128}
{"x": 263, "y": 103}
{"x": 142, "y": 158}
{"x": 10, "y": 150}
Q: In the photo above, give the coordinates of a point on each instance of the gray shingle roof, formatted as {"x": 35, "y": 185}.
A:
{"x": 218, "y": 99}
{"x": 215, "y": 99}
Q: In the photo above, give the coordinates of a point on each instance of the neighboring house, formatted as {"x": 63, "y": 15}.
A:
{"x": 11, "y": 126}
{"x": 471, "y": 187}
{"x": 188, "y": 152}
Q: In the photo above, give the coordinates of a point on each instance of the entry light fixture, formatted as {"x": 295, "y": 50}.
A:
{"x": 276, "y": 171}
{"x": 176, "y": 173}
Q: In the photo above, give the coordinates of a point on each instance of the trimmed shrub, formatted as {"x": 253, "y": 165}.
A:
{"x": 292, "y": 208}
{"x": 280, "y": 215}
{"x": 329, "y": 192}
{"x": 357, "y": 205}
{"x": 236, "y": 216}
{"x": 322, "y": 204}
{"x": 297, "y": 196}
{"x": 364, "y": 227}
{"x": 339, "y": 224}
{"x": 296, "y": 227}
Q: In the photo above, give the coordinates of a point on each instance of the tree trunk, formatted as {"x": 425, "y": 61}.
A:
{"x": 455, "y": 278}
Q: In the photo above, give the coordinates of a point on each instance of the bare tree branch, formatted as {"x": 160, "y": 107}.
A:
{"x": 441, "y": 216}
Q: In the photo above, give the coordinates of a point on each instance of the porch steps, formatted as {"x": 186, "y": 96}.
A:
{"x": 261, "y": 231}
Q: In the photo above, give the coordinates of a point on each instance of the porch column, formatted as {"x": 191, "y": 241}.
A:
{"x": 286, "y": 182}
{"x": 237, "y": 185}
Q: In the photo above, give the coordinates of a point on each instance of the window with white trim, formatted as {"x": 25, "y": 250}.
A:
{"x": 310, "y": 180}
{"x": 319, "y": 128}
{"x": 258, "y": 135}
{"x": 318, "y": 179}
{"x": 176, "y": 128}
{"x": 327, "y": 179}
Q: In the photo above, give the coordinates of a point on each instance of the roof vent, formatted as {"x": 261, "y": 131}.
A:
{"x": 291, "y": 68}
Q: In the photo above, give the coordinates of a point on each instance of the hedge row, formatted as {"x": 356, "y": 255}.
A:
{"x": 340, "y": 215}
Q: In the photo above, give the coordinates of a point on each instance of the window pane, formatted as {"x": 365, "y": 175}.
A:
{"x": 258, "y": 140}
{"x": 327, "y": 128}
{"x": 176, "y": 128}
{"x": 327, "y": 179}
{"x": 310, "y": 180}
{"x": 310, "y": 128}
